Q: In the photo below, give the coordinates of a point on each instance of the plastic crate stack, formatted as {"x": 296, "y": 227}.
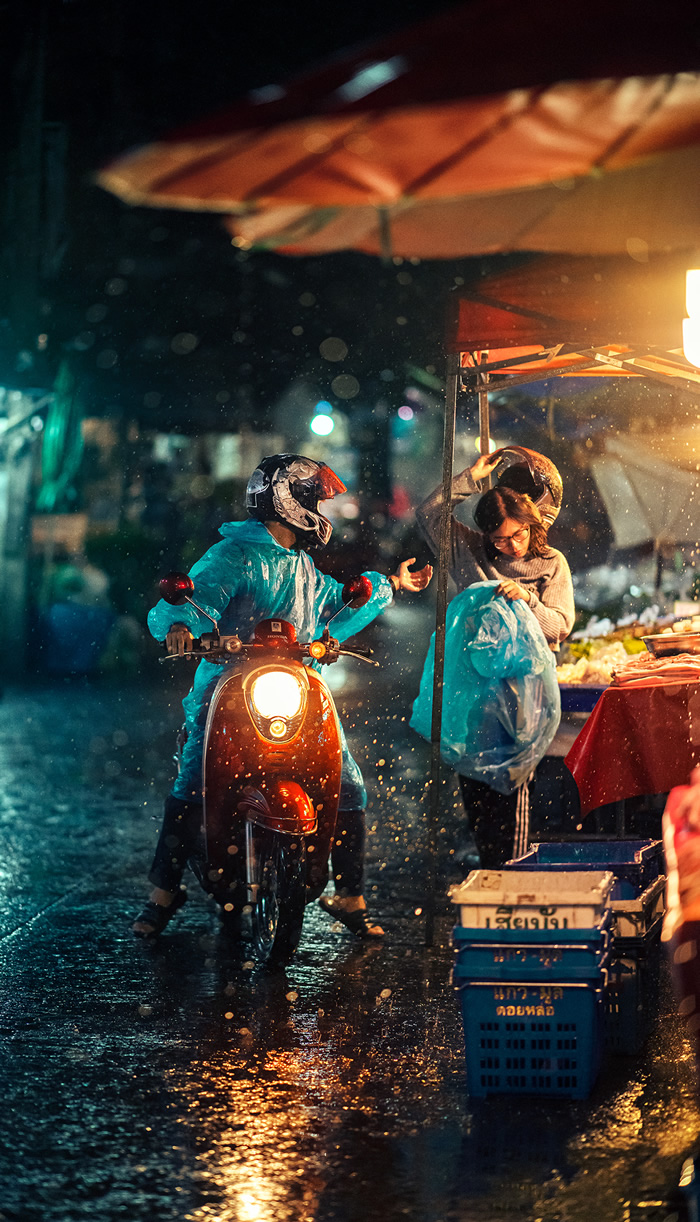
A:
{"x": 638, "y": 901}
{"x": 532, "y": 954}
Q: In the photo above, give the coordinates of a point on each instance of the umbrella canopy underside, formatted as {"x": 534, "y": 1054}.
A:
{"x": 602, "y": 165}
{"x": 648, "y": 498}
{"x": 492, "y": 125}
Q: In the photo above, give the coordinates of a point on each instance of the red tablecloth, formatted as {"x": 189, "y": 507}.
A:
{"x": 638, "y": 740}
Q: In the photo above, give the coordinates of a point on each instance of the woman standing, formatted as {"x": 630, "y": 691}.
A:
{"x": 510, "y": 547}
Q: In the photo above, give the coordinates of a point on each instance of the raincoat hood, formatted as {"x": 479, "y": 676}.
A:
{"x": 251, "y": 531}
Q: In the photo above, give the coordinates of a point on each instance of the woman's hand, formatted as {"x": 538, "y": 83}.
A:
{"x": 406, "y": 580}
{"x": 179, "y": 639}
{"x": 483, "y": 467}
{"x": 512, "y": 590}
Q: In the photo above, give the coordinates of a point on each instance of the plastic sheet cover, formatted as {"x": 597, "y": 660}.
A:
{"x": 501, "y": 705}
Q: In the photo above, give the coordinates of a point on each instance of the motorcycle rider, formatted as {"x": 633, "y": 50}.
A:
{"x": 261, "y": 570}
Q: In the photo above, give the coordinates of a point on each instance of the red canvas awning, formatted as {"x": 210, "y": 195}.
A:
{"x": 585, "y": 300}
{"x": 586, "y": 316}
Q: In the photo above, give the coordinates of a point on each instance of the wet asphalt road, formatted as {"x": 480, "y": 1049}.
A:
{"x": 173, "y": 1083}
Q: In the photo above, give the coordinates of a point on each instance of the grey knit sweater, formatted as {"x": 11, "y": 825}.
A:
{"x": 547, "y": 578}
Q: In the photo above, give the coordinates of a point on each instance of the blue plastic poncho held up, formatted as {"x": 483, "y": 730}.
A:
{"x": 247, "y": 577}
{"x": 501, "y": 704}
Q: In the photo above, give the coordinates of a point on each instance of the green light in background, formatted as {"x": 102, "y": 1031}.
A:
{"x": 322, "y": 423}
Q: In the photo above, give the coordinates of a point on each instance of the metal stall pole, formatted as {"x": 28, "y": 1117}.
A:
{"x": 484, "y": 419}
{"x": 448, "y": 446}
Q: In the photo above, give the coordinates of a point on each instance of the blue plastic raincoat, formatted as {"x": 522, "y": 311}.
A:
{"x": 247, "y": 577}
{"x": 501, "y": 702}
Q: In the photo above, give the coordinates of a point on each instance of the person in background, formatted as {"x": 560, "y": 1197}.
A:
{"x": 511, "y": 547}
{"x": 261, "y": 570}
{"x": 681, "y": 933}
{"x": 681, "y": 930}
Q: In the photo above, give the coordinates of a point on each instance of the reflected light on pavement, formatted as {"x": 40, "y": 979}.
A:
{"x": 256, "y": 1143}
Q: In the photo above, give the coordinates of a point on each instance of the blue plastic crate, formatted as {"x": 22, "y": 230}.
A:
{"x": 532, "y": 1038}
{"x": 489, "y": 958}
{"x": 632, "y": 998}
{"x": 635, "y": 863}
{"x": 579, "y": 697}
{"x": 589, "y": 933}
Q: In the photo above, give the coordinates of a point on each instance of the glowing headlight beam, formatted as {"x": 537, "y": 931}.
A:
{"x": 276, "y": 694}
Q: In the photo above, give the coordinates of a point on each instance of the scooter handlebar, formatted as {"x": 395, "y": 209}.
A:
{"x": 362, "y": 654}
{"x": 227, "y": 648}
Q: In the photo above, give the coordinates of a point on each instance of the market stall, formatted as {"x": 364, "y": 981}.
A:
{"x": 499, "y": 340}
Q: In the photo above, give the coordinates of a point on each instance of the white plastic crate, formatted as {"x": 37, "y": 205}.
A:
{"x": 533, "y": 899}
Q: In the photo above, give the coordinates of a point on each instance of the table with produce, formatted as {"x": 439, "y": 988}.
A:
{"x": 643, "y": 733}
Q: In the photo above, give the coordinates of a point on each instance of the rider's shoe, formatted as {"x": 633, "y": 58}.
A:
{"x": 357, "y": 920}
{"x": 157, "y": 916}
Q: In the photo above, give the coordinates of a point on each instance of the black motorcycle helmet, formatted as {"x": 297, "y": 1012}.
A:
{"x": 287, "y": 488}
{"x": 534, "y": 475}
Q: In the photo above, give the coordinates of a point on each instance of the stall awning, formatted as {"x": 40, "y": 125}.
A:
{"x": 579, "y": 316}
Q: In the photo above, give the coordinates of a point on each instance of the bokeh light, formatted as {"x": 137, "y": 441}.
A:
{"x": 322, "y": 425}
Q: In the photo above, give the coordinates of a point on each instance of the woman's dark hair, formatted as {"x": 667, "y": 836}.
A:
{"x": 500, "y": 503}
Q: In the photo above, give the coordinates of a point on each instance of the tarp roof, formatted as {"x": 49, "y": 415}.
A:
{"x": 585, "y": 316}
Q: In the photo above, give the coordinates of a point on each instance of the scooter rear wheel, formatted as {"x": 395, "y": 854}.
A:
{"x": 278, "y": 913}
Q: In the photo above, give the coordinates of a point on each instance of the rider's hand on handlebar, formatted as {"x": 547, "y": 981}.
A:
{"x": 406, "y": 580}
{"x": 179, "y": 639}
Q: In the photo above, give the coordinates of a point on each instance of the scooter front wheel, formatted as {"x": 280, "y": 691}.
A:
{"x": 277, "y": 914}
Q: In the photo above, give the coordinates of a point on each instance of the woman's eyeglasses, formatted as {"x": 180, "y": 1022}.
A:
{"x": 518, "y": 537}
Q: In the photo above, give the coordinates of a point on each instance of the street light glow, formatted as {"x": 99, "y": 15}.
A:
{"x": 322, "y": 424}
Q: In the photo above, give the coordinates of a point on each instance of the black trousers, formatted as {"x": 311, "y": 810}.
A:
{"x": 348, "y": 852}
{"x": 181, "y": 838}
{"x": 500, "y": 823}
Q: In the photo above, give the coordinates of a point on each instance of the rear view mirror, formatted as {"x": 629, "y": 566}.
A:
{"x": 357, "y": 591}
{"x": 176, "y": 588}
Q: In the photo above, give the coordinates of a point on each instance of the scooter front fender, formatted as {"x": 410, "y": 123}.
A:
{"x": 283, "y": 807}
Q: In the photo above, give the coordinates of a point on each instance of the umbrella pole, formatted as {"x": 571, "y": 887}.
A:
{"x": 448, "y": 447}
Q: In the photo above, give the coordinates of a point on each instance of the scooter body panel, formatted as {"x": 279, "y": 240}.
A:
{"x": 289, "y": 786}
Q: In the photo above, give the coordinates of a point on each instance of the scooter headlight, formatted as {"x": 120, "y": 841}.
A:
{"x": 276, "y": 694}
{"x": 277, "y": 703}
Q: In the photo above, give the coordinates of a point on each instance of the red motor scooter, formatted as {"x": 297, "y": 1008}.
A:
{"x": 271, "y": 774}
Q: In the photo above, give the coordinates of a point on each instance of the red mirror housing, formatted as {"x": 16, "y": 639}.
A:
{"x": 176, "y": 588}
{"x": 357, "y": 591}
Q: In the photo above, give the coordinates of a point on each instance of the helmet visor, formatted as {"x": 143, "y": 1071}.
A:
{"x": 327, "y": 483}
